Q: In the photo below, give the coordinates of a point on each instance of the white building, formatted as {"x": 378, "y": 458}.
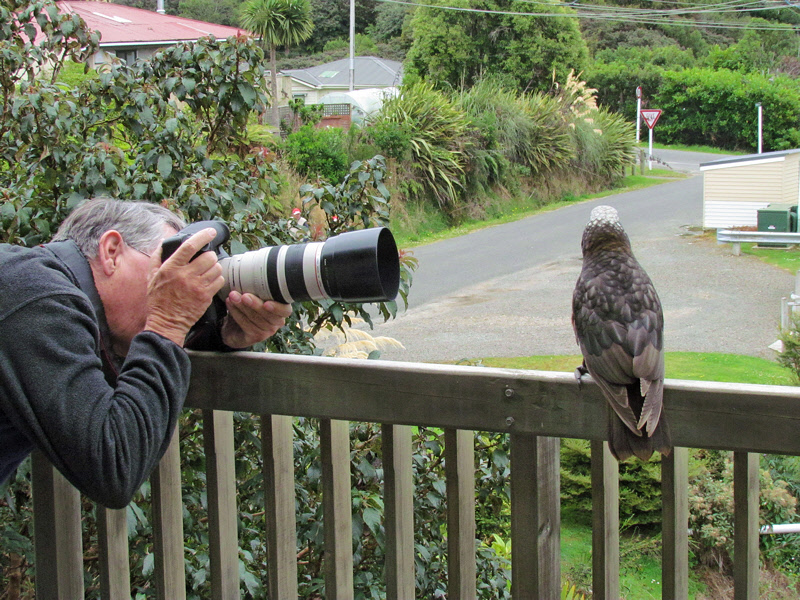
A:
{"x": 734, "y": 189}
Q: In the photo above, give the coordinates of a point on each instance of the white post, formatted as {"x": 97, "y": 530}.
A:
{"x": 650, "y": 151}
{"x": 352, "y": 44}
{"x": 638, "y": 116}
{"x": 760, "y": 123}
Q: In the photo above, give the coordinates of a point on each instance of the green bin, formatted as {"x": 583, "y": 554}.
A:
{"x": 777, "y": 218}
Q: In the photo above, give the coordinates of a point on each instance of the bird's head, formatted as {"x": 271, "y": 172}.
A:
{"x": 604, "y": 231}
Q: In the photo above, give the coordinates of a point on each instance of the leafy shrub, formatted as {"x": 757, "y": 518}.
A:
{"x": 616, "y": 84}
{"x": 393, "y": 138}
{"x": 789, "y": 356}
{"x": 317, "y": 152}
{"x": 711, "y": 510}
{"x": 639, "y": 485}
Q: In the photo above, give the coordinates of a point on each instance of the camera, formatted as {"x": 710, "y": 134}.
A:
{"x": 356, "y": 266}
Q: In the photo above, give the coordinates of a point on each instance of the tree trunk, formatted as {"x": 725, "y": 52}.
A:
{"x": 273, "y": 67}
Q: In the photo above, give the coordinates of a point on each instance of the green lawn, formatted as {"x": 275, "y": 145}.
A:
{"x": 783, "y": 258}
{"x": 710, "y": 366}
{"x": 640, "y": 563}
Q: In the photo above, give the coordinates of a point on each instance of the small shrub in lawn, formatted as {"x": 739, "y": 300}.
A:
{"x": 317, "y": 152}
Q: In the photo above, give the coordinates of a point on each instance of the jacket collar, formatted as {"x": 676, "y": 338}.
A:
{"x": 67, "y": 252}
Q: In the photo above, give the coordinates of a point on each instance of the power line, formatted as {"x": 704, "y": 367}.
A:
{"x": 638, "y": 16}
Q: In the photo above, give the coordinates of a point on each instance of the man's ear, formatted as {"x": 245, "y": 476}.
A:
{"x": 109, "y": 251}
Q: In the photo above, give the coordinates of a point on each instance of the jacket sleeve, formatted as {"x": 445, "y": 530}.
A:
{"x": 105, "y": 440}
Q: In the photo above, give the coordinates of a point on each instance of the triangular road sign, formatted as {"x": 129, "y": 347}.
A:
{"x": 650, "y": 116}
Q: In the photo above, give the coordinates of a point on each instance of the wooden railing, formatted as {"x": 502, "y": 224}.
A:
{"x": 536, "y": 408}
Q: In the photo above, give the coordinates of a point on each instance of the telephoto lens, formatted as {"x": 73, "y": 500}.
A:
{"x": 357, "y": 266}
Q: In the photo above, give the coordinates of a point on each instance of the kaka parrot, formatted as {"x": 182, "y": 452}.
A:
{"x": 619, "y": 326}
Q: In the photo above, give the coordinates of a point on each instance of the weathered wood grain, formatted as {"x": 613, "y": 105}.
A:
{"x": 752, "y": 418}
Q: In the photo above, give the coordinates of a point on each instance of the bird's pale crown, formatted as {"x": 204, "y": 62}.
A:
{"x": 603, "y": 214}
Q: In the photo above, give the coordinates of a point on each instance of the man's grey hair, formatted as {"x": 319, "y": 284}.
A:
{"x": 141, "y": 224}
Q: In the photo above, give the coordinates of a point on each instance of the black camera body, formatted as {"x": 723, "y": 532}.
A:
{"x": 169, "y": 245}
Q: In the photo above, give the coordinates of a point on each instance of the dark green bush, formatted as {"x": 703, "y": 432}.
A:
{"x": 317, "y": 152}
{"x": 717, "y": 108}
{"x": 393, "y": 138}
{"x": 616, "y": 84}
{"x": 639, "y": 485}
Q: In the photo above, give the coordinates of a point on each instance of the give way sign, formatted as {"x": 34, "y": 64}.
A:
{"x": 650, "y": 116}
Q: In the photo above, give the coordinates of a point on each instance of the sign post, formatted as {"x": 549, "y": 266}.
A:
{"x": 650, "y": 117}
{"x": 638, "y": 111}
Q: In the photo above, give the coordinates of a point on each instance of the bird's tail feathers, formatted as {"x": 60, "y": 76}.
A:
{"x": 624, "y": 444}
{"x": 651, "y": 409}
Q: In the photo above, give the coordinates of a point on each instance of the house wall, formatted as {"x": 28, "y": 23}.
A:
{"x": 107, "y": 55}
{"x": 733, "y": 193}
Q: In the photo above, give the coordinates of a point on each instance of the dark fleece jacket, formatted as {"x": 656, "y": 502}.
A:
{"x": 103, "y": 425}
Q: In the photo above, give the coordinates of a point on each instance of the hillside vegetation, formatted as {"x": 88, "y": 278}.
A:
{"x": 704, "y": 63}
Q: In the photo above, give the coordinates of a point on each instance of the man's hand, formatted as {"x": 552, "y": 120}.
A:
{"x": 251, "y": 320}
{"x": 180, "y": 290}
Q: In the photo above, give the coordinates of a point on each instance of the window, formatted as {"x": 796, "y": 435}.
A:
{"x": 127, "y": 56}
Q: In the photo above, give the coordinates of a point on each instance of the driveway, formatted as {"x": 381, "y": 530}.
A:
{"x": 506, "y": 290}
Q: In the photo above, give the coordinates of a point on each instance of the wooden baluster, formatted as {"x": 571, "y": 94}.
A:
{"x": 280, "y": 526}
{"x": 165, "y": 484}
{"x": 337, "y": 509}
{"x": 222, "y": 510}
{"x": 56, "y": 533}
{"x": 459, "y": 453}
{"x": 399, "y": 511}
{"x": 605, "y": 523}
{"x": 675, "y": 519}
{"x": 745, "y": 526}
{"x": 535, "y": 517}
{"x": 115, "y": 568}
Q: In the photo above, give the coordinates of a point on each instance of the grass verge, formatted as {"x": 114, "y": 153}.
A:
{"x": 703, "y": 366}
{"x": 704, "y": 149}
{"x": 783, "y": 258}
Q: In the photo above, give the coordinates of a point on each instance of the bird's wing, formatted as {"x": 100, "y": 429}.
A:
{"x": 606, "y": 370}
{"x": 618, "y": 323}
{"x": 646, "y": 344}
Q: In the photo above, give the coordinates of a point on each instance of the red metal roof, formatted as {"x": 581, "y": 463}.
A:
{"x": 125, "y": 25}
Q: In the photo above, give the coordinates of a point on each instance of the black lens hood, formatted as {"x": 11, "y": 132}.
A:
{"x": 361, "y": 266}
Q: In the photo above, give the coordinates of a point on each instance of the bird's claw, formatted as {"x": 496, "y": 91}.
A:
{"x": 579, "y": 373}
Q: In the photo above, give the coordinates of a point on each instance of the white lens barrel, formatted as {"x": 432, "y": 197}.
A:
{"x": 283, "y": 273}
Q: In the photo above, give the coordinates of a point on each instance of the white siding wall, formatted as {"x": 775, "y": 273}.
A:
{"x": 721, "y": 215}
{"x": 733, "y": 193}
{"x": 744, "y": 183}
{"x": 791, "y": 185}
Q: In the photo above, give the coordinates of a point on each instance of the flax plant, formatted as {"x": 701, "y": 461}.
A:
{"x": 438, "y": 141}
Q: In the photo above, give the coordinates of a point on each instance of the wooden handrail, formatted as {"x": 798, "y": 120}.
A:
{"x": 536, "y": 408}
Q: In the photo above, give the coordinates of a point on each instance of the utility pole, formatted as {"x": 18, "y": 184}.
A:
{"x": 760, "y": 124}
{"x": 352, "y": 45}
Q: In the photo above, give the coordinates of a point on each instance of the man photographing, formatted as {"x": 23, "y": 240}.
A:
{"x": 92, "y": 329}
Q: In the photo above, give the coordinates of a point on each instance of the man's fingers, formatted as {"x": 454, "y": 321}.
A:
{"x": 186, "y": 251}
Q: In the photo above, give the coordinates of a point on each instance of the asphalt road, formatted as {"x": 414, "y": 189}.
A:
{"x": 506, "y": 290}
